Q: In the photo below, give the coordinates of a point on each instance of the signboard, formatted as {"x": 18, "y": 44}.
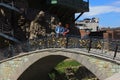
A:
{"x": 53, "y": 1}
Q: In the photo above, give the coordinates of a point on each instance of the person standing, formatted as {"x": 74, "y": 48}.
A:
{"x": 66, "y": 30}
{"x": 59, "y": 30}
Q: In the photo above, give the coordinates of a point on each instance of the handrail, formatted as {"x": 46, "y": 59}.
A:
{"x": 10, "y": 7}
{"x": 9, "y": 37}
{"x": 92, "y": 46}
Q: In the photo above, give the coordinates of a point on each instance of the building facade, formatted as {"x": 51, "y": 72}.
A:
{"x": 89, "y": 24}
{"x": 112, "y": 34}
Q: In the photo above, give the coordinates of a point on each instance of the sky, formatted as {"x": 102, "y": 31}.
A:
{"x": 108, "y": 12}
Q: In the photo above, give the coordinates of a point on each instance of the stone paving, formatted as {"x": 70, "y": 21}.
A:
{"x": 104, "y": 53}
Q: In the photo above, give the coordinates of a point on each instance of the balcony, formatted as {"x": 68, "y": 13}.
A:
{"x": 79, "y": 5}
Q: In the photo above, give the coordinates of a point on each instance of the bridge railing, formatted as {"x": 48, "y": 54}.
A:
{"x": 106, "y": 48}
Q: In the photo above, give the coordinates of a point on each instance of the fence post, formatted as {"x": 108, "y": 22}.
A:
{"x": 46, "y": 41}
{"x": 102, "y": 47}
{"x": 11, "y": 51}
{"x": 115, "y": 52}
{"x": 28, "y": 45}
{"x": 89, "y": 45}
{"x": 67, "y": 40}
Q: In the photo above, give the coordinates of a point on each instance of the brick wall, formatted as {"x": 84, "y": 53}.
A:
{"x": 112, "y": 34}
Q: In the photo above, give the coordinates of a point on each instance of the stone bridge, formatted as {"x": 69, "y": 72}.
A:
{"x": 36, "y": 58}
{"x": 37, "y": 64}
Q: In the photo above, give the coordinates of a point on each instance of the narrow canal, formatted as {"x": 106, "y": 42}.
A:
{"x": 71, "y": 70}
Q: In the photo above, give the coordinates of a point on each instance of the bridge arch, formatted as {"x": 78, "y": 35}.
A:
{"x": 36, "y": 61}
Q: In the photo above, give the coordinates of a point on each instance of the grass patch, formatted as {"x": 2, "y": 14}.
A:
{"x": 65, "y": 64}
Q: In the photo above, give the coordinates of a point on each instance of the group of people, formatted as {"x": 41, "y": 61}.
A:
{"x": 61, "y": 31}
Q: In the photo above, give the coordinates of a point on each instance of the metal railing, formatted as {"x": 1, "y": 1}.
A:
{"x": 105, "y": 48}
{"x": 9, "y": 5}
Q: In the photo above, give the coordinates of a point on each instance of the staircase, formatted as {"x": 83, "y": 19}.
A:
{"x": 5, "y": 24}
